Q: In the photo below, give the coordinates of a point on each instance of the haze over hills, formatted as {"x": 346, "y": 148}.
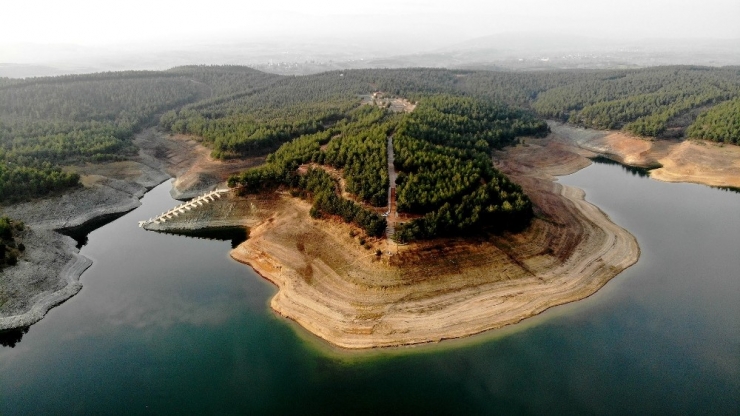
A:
{"x": 291, "y": 37}
{"x": 287, "y": 55}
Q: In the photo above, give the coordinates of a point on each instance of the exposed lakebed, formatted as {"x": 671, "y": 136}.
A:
{"x": 167, "y": 324}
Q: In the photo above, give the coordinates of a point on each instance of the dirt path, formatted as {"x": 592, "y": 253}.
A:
{"x": 392, "y": 217}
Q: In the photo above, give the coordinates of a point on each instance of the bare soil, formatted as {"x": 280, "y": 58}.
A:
{"x": 394, "y": 104}
{"x": 186, "y": 159}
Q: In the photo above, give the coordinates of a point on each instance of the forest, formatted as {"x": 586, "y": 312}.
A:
{"x": 356, "y": 145}
{"x": 641, "y": 101}
{"x": 443, "y": 150}
{"x": 48, "y": 123}
{"x": 267, "y": 111}
{"x": 721, "y": 123}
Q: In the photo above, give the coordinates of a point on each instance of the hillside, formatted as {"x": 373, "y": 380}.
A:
{"x": 313, "y": 153}
{"x": 52, "y": 122}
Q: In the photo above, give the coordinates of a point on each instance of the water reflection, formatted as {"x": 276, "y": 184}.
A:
{"x": 728, "y": 189}
{"x": 154, "y": 311}
{"x": 236, "y": 235}
{"x": 80, "y": 232}
{"x": 641, "y": 172}
{"x": 12, "y": 337}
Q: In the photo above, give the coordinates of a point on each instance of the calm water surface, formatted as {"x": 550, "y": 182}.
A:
{"x": 167, "y": 324}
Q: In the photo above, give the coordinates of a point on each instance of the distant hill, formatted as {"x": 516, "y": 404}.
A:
{"x": 25, "y": 71}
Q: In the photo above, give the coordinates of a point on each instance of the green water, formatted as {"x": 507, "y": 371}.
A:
{"x": 172, "y": 325}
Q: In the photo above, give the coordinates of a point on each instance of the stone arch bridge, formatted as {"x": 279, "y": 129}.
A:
{"x": 185, "y": 207}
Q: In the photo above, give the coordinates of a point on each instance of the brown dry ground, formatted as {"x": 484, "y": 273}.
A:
{"x": 194, "y": 163}
{"x": 694, "y": 161}
{"x": 181, "y": 156}
{"x": 196, "y": 171}
{"x": 346, "y": 294}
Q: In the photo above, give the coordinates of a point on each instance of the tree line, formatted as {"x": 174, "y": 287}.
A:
{"x": 641, "y": 101}
{"x": 359, "y": 149}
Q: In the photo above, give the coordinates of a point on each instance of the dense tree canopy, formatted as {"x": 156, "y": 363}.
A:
{"x": 48, "y": 122}
{"x": 360, "y": 150}
{"x": 356, "y": 145}
{"x": 443, "y": 151}
{"x": 640, "y": 101}
{"x": 720, "y": 123}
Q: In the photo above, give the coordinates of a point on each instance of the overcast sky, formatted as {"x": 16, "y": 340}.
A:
{"x": 96, "y": 22}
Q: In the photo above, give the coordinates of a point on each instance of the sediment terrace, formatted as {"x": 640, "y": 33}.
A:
{"x": 425, "y": 292}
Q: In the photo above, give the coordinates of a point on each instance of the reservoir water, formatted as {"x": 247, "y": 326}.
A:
{"x": 171, "y": 325}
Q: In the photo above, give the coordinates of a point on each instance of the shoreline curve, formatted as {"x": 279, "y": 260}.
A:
{"x": 352, "y": 308}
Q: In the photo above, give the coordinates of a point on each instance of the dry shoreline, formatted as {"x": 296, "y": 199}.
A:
{"x": 469, "y": 311}
{"x": 68, "y": 265}
{"x": 49, "y": 271}
{"x": 702, "y": 162}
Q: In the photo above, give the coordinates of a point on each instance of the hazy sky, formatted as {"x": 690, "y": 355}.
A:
{"x": 96, "y": 22}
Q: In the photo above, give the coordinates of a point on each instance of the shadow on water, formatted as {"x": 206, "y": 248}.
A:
{"x": 236, "y": 235}
{"x": 641, "y": 172}
{"x": 80, "y": 232}
{"x": 728, "y": 189}
{"x": 12, "y": 337}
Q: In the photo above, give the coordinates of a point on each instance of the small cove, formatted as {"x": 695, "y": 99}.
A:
{"x": 166, "y": 324}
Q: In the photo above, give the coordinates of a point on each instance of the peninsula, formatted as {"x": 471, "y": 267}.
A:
{"x": 390, "y": 207}
{"x": 359, "y": 288}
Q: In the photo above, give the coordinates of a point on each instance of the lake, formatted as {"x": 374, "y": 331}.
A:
{"x": 167, "y": 324}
